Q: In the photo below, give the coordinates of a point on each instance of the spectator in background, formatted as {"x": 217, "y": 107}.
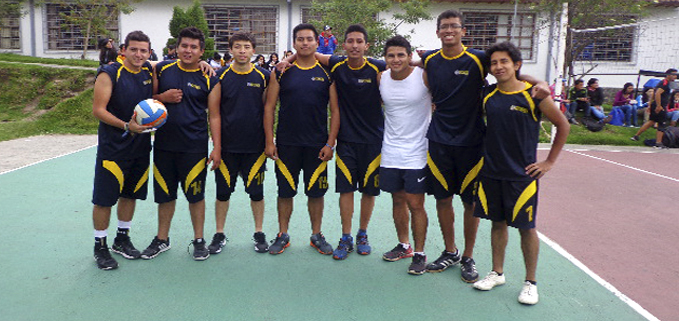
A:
{"x": 107, "y": 55}
{"x": 273, "y": 60}
{"x": 596, "y": 98}
{"x": 327, "y": 41}
{"x": 288, "y": 53}
{"x": 171, "y": 53}
{"x": 624, "y": 100}
{"x": 259, "y": 61}
{"x": 153, "y": 56}
{"x": 673, "y": 108}
{"x": 577, "y": 96}
{"x": 216, "y": 61}
{"x": 226, "y": 59}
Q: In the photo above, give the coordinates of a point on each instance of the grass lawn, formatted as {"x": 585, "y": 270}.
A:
{"x": 52, "y": 61}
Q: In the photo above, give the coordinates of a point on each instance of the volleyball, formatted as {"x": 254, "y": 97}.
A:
{"x": 150, "y": 112}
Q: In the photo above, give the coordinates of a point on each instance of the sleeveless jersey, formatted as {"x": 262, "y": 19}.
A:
{"x": 303, "y": 114}
{"x": 511, "y": 140}
{"x": 456, "y": 84}
{"x": 407, "y": 112}
{"x": 242, "y": 109}
{"x": 186, "y": 128}
{"x": 129, "y": 88}
{"x": 361, "y": 116}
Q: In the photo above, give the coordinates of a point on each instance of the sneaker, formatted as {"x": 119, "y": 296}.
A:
{"x": 529, "y": 294}
{"x": 200, "y": 252}
{"x": 397, "y": 253}
{"x": 419, "y": 265}
{"x": 362, "y": 244}
{"x": 156, "y": 247}
{"x": 104, "y": 259}
{"x": 444, "y": 261}
{"x": 123, "y": 246}
{"x": 280, "y": 244}
{"x": 218, "y": 242}
{"x": 468, "y": 269}
{"x": 490, "y": 281}
{"x": 260, "y": 242}
{"x": 318, "y": 242}
{"x": 660, "y": 146}
{"x": 635, "y": 138}
{"x": 346, "y": 246}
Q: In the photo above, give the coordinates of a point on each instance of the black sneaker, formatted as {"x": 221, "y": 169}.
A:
{"x": 260, "y": 242}
{"x": 419, "y": 265}
{"x": 104, "y": 259}
{"x": 468, "y": 269}
{"x": 218, "y": 242}
{"x": 123, "y": 246}
{"x": 156, "y": 247}
{"x": 444, "y": 261}
{"x": 280, "y": 244}
{"x": 200, "y": 252}
{"x": 635, "y": 138}
{"x": 397, "y": 253}
{"x": 318, "y": 242}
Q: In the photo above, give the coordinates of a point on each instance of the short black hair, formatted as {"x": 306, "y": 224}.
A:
{"x": 193, "y": 33}
{"x": 137, "y": 35}
{"x": 356, "y": 28}
{"x": 508, "y": 47}
{"x": 398, "y": 41}
{"x": 304, "y": 26}
{"x": 242, "y": 36}
{"x": 591, "y": 81}
{"x": 578, "y": 81}
{"x": 449, "y": 14}
{"x": 671, "y": 71}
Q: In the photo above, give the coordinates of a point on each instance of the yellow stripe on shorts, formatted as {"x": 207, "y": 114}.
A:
{"x": 436, "y": 172}
{"x": 142, "y": 181}
{"x": 255, "y": 168}
{"x": 483, "y": 199}
{"x": 525, "y": 196}
{"x": 195, "y": 171}
{"x": 225, "y": 173}
{"x": 343, "y": 168}
{"x": 286, "y": 173}
{"x": 372, "y": 167}
{"x": 471, "y": 176}
{"x": 112, "y": 167}
{"x": 316, "y": 174}
{"x": 160, "y": 180}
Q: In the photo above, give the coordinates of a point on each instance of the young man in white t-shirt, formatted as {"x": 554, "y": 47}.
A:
{"x": 407, "y": 112}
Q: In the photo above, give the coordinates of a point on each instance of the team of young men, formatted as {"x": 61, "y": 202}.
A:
{"x": 245, "y": 97}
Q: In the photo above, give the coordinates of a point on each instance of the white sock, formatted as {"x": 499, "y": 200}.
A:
{"x": 100, "y": 233}
{"x": 420, "y": 253}
{"x": 405, "y": 245}
{"x": 124, "y": 225}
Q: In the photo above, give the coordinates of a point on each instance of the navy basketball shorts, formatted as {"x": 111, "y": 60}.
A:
{"x": 174, "y": 169}
{"x": 413, "y": 181}
{"x": 293, "y": 159}
{"x": 515, "y": 202}
{"x": 249, "y": 166}
{"x": 660, "y": 118}
{"x": 358, "y": 168}
{"x": 453, "y": 170}
{"x": 120, "y": 178}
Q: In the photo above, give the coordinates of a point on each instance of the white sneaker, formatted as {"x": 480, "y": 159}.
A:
{"x": 529, "y": 294}
{"x": 490, "y": 281}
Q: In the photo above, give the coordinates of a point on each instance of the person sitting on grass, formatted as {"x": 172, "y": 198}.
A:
{"x": 673, "y": 109}
{"x": 577, "y": 96}
{"x": 624, "y": 100}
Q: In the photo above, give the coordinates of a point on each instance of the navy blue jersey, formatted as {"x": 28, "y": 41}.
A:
{"x": 303, "y": 114}
{"x": 361, "y": 117}
{"x": 456, "y": 84}
{"x": 242, "y": 109}
{"x": 186, "y": 128}
{"x": 511, "y": 140}
{"x": 129, "y": 88}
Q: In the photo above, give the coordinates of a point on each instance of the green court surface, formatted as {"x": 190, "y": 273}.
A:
{"x": 48, "y": 272}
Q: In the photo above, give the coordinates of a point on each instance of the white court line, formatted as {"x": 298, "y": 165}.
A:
{"x": 47, "y": 159}
{"x": 626, "y": 166}
{"x": 633, "y": 304}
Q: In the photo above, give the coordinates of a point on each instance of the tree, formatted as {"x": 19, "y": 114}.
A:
{"x": 92, "y": 17}
{"x": 592, "y": 14}
{"x": 341, "y": 13}
{"x": 194, "y": 16}
{"x": 11, "y": 9}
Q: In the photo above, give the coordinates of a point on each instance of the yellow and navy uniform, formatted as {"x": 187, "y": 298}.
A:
{"x": 505, "y": 191}
{"x": 455, "y": 84}
{"x": 302, "y": 129}
{"x": 181, "y": 145}
{"x": 242, "y": 110}
{"x": 186, "y": 128}
{"x": 123, "y": 161}
{"x": 303, "y": 114}
{"x": 359, "y": 141}
{"x": 456, "y": 130}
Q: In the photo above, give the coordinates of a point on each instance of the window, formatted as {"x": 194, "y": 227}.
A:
{"x": 225, "y": 20}
{"x": 307, "y": 15}
{"x": 10, "y": 33}
{"x": 606, "y": 44}
{"x": 62, "y": 35}
{"x": 487, "y": 28}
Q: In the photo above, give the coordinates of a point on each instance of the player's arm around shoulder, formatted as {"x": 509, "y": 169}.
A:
{"x": 215, "y": 119}
{"x": 168, "y": 96}
{"x": 540, "y": 87}
{"x": 552, "y": 112}
{"x": 329, "y": 148}
{"x": 269, "y": 110}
